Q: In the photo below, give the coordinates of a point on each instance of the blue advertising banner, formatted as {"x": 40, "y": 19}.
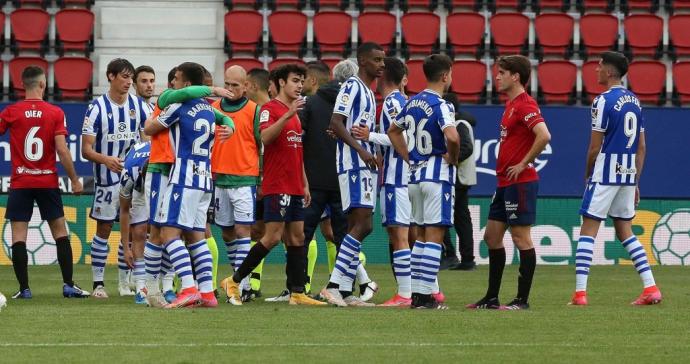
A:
{"x": 561, "y": 166}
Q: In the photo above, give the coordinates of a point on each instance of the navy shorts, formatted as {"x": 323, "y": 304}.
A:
{"x": 515, "y": 204}
{"x": 20, "y": 204}
{"x": 259, "y": 209}
{"x": 283, "y": 208}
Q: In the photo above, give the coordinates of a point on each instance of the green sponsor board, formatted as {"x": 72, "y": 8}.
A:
{"x": 662, "y": 226}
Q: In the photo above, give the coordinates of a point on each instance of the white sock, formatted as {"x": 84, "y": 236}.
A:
{"x": 639, "y": 258}
{"x": 416, "y": 273}
{"x": 344, "y": 271}
{"x": 203, "y": 265}
{"x": 99, "y": 255}
{"x": 152, "y": 265}
{"x": 361, "y": 274}
{"x": 401, "y": 267}
{"x": 583, "y": 260}
{"x": 139, "y": 274}
{"x": 181, "y": 262}
{"x": 428, "y": 266}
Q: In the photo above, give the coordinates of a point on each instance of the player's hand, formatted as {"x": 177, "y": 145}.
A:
{"x": 360, "y": 132}
{"x": 221, "y": 92}
{"x": 129, "y": 256}
{"x": 307, "y": 197}
{"x": 331, "y": 133}
{"x": 637, "y": 196}
{"x": 369, "y": 159}
{"x": 77, "y": 187}
{"x": 224, "y": 132}
{"x": 114, "y": 164}
{"x": 448, "y": 160}
{"x": 514, "y": 171}
{"x": 296, "y": 106}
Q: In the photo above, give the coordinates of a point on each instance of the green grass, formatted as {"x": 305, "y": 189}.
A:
{"x": 49, "y": 328}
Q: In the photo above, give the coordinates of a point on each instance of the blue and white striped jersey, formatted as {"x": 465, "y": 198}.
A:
{"x": 357, "y": 103}
{"x": 192, "y": 128}
{"x": 131, "y": 177}
{"x": 116, "y": 128}
{"x": 617, "y": 113}
{"x": 424, "y": 117}
{"x": 395, "y": 170}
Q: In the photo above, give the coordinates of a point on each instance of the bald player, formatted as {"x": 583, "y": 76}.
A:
{"x": 235, "y": 165}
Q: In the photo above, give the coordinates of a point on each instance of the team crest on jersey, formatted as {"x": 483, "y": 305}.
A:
{"x": 90, "y": 107}
{"x": 87, "y": 123}
{"x": 132, "y": 113}
{"x": 264, "y": 116}
{"x": 344, "y": 98}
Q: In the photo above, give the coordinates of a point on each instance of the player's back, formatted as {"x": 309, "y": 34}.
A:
{"x": 618, "y": 114}
{"x": 395, "y": 170}
{"x": 33, "y": 125}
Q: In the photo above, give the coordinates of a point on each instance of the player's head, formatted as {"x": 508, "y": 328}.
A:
{"x": 188, "y": 74}
{"x": 612, "y": 66}
{"x": 208, "y": 77}
{"x": 393, "y": 75}
{"x": 145, "y": 81}
{"x": 437, "y": 70}
{"x": 272, "y": 84}
{"x": 513, "y": 71}
{"x": 370, "y": 59}
{"x": 119, "y": 73}
{"x": 318, "y": 74}
{"x": 257, "y": 82}
{"x": 344, "y": 70}
{"x": 34, "y": 79}
{"x": 236, "y": 81}
{"x": 171, "y": 77}
{"x": 290, "y": 80}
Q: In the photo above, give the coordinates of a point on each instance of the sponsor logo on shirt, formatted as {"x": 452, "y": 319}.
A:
{"x": 118, "y": 137}
{"x": 34, "y": 172}
{"x": 294, "y": 139}
{"x": 622, "y": 170}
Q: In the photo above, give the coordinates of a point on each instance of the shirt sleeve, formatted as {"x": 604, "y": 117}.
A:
{"x": 599, "y": 120}
{"x": 529, "y": 114}
{"x": 266, "y": 118}
{"x": 346, "y": 98}
{"x": 126, "y": 185}
{"x": 170, "y": 115}
{"x": 400, "y": 120}
{"x": 5, "y": 120}
{"x": 91, "y": 126}
{"x": 171, "y": 96}
{"x": 447, "y": 118}
{"x": 60, "y": 122}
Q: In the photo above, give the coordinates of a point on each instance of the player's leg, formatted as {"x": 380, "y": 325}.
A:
{"x": 395, "y": 215}
{"x": 138, "y": 232}
{"x": 123, "y": 271}
{"x": 242, "y": 200}
{"x": 338, "y": 225}
{"x": 256, "y": 233}
{"x": 224, "y": 220}
{"x": 622, "y": 212}
{"x": 20, "y": 206}
{"x": 314, "y": 215}
{"x": 213, "y": 249}
{"x": 297, "y": 254}
{"x": 157, "y": 261}
{"x": 104, "y": 211}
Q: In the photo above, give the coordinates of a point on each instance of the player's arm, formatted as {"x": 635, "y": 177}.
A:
{"x": 259, "y": 147}
{"x": 452, "y": 144}
{"x": 4, "y": 120}
{"x": 126, "y": 190}
{"x": 542, "y": 138}
{"x": 338, "y": 126}
{"x": 271, "y": 132}
{"x": 363, "y": 133}
{"x": 395, "y": 135}
{"x": 595, "y": 142}
{"x": 88, "y": 138}
{"x": 67, "y": 163}
{"x": 307, "y": 194}
{"x": 225, "y": 125}
{"x": 171, "y": 96}
{"x": 165, "y": 120}
{"x": 641, "y": 154}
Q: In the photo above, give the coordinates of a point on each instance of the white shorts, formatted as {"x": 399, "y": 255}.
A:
{"x": 358, "y": 189}
{"x": 600, "y": 201}
{"x": 395, "y": 206}
{"x": 139, "y": 209}
{"x": 235, "y": 206}
{"x": 155, "y": 186}
{"x": 184, "y": 208}
{"x": 106, "y": 203}
{"x": 432, "y": 203}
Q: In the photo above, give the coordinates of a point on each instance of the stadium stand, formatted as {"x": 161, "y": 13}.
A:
{"x": 277, "y": 62}
{"x": 557, "y": 82}
{"x": 2, "y": 31}
{"x": 287, "y": 32}
{"x": 679, "y": 36}
{"x": 469, "y": 81}
{"x": 16, "y": 66}
{"x": 84, "y": 3}
{"x": 554, "y": 35}
{"x": 643, "y": 5}
{"x": 231, "y": 4}
{"x": 465, "y": 32}
{"x": 681, "y": 83}
{"x": 378, "y": 27}
{"x": 590, "y": 87}
{"x": 415, "y": 77}
{"x": 368, "y": 4}
{"x": 246, "y": 63}
{"x": 452, "y": 5}
{"x": 598, "y": 33}
{"x": 331, "y": 62}
{"x": 643, "y": 35}
{"x": 647, "y": 79}
{"x": 73, "y": 79}
{"x": 339, "y": 4}
{"x": 243, "y": 30}
{"x": 597, "y": 5}
{"x": 558, "y": 5}
{"x": 420, "y": 33}
{"x": 29, "y": 31}
{"x": 286, "y": 4}
{"x": 25, "y": 3}
{"x": 512, "y": 5}
{"x": 509, "y": 33}
{"x": 332, "y": 33}
{"x": 74, "y": 31}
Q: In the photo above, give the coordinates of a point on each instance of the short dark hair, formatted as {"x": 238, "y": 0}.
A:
{"x": 30, "y": 76}
{"x": 272, "y": 78}
{"x": 517, "y": 64}
{"x": 367, "y": 47}
{"x": 193, "y": 72}
{"x": 284, "y": 71}
{"x": 141, "y": 69}
{"x": 117, "y": 66}
{"x": 208, "y": 77}
{"x": 395, "y": 70}
{"x": 260, "y": 76}
{"x": 435, "y": 66}
{"x": 171, "y": 76}
{"x": 617, "y": 60}
{"x": 323, "y": 73}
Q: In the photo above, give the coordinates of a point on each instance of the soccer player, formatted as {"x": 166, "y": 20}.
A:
{"x": 235, "y": 167}
{"x": 356, "y": 166}
{"x": 615, "y": 158}
{"x": 524, "y": 136}
{"x": 258, "y": 84}
{"x": 145, "y": 83}
{"x": 37, "y": 132}
{"x": 285, "y": 188}
{"x": 433, "y": 144}
{"x": 395, "y": 201}
{"x": 112, "y": 125}
{"x": 184, "y": 205}
{"x": 134, "y": 214}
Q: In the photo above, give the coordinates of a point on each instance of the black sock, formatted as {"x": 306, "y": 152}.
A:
{"x": 256, "y": 254}
{"x": 20, "y": 261}
{"x": 64, "y": 255}
{"x": 528, "y": 262}
{"x": 98, "y": 283}
{"x": 296, "y": 266}
{"x": 332, "y": 285}
{"x": 497, "y": 261}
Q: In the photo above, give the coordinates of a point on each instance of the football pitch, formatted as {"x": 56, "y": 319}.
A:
{"x": 49, "y": 328}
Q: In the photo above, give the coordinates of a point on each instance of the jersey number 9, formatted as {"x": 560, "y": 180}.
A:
{"x": 630, "y": 127}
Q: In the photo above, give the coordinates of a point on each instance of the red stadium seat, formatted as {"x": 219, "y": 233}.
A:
{"x": 331, "y": 62}
{"x": 84, "y": 3}
{"x": 451, "y": 5}
{"x": 469, "y": 81}
{"x": 341, "y": 4}
{"x": 509, "y": 33}
{"x": 74, "y": 31}
{"x": 598, "y": 33}
{"x": 246, "y": 63}
{"x": 368, "y": 4}
{"x": 378, "y": 27}
{"x": 16, "y": 66}
{"x": 650, "y": 6}
{"x": 643, "y": 35}
{"x": 231, "y": 4}
{"x": 416, "y": 82}
{"x": 2, "y": 32}
{"x": 679, "y": 36}
{"x": 332, "y": 32}
{"x": 243, "y": 30}
{"x": 673, "y": 5}
{"x": 73, "y": 78}
{"x": 513, "y": 5}
{"x": 681, "y": 82}
{"x": 29, "y": 30}
{"x": 428, "y": 4}
{"x": 21, "y": 3}
{"x": 557, "y": 81}
{"x": 465, "y": 33}
{"x": 420, "y": 33}
{"x": 600, "y": 5}
{"x": 554, "y": 33}
{"x": 590, "y": 87}
{"x": 560, "y": 5}
{"x": 287, "y": 30}
{"x": 281, "y": 61}
{"x": 647, "y": 79}
{"x": 287, "y": 4}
